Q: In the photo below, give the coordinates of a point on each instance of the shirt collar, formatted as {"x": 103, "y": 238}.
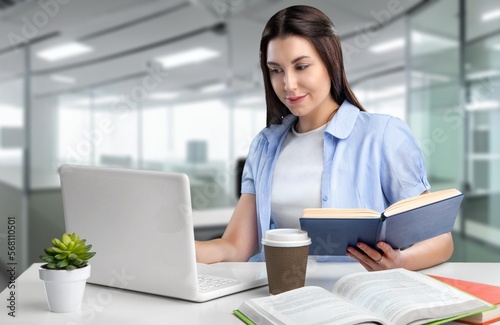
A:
{"x": 340, "y": 126}
{"x": 343, "y": 121}
{"x": 275, "y": 131}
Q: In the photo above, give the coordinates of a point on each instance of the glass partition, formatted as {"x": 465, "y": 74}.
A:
{"x": 453, "y": 106}
{"x": 157, "y": 140}
{"x": 433, "y": 75}
{"x": 435, "y": 108}
{"x": 249, "y": 120}
{"x": 482, "y": 109}
{"x": 75, "y": 144}
{"x": 385, "y": 94}
{"x": 12, "y": 186}
{"x": 116, "y": 137}
{"x": 12, "y": 119}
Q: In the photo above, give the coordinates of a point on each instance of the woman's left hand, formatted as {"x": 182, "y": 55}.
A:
{"x": 373, "y": 260}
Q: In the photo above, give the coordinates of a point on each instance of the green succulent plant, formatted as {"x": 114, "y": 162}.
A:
{"x": 67, "y": 253}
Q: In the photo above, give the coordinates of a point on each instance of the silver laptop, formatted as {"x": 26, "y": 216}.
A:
{"x": 141, "y": 228}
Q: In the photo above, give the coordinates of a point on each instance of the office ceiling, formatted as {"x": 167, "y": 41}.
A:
{"x": 127, "y": 35}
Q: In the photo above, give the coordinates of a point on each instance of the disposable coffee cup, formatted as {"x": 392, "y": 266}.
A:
{"x": 286, "y": 252}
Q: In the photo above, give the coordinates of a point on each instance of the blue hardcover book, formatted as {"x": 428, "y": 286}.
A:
{"x": 400, "y": 225}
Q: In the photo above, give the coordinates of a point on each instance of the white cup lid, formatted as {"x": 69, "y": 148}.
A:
{"x": 286, "y": 237}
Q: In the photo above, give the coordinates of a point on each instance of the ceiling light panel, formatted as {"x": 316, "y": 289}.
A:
{"x": 64, "y": 51}
{"x": 62, "y": 79}
{"x": 195, "y": 55}
{"x": 388, "y": 46}
{"x": 491, "y": 15}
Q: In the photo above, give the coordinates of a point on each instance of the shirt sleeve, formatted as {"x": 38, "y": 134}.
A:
{"x": 251, "y": 166}
{"x": 403, "y": 169}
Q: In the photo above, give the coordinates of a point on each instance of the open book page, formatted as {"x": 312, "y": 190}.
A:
{"x": 398, "y": 207}
{"x": 405, "y": 297}
{"x": 420, "y": 200}
{"x": 307, "y": 305}
{"x": 340, "y": 213}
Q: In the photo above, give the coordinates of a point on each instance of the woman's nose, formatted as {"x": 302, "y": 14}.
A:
{"x": 290, "y": 81}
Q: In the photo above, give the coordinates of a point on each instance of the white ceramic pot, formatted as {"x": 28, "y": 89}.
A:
{"x": 64, "y": 289}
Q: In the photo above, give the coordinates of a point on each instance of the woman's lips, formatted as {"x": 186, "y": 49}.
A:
{"x": 295, "y": 99}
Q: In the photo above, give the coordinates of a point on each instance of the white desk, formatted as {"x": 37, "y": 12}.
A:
{"x": 104, "y": 305}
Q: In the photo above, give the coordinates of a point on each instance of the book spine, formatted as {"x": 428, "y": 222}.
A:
{"x": 381, "y": 230}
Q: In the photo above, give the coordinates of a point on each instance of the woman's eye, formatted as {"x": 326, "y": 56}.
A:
{"x": 275, "y": 70}
{"x": 302, "y": 67}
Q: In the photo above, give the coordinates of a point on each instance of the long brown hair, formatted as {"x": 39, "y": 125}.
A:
{"x": 318, "y": 29}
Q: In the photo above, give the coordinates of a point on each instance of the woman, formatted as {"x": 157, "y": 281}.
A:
{"x": 321, "y": 149}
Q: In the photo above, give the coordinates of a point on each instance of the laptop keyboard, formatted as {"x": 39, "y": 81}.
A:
{"x": 207, "y": 282}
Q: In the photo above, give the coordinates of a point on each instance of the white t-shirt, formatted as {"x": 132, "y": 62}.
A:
{"x": 296, "y": 183}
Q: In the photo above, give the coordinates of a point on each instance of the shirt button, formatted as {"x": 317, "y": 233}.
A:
{"x": 325, "y": 198}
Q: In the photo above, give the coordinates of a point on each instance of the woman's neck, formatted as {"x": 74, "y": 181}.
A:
{"x": 308, "y": 123}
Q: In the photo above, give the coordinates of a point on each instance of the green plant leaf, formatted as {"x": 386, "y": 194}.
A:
{"x": 77, "y": 262}
{"x": 62, "y": 264}
{"x": 66, "y": 239}
{"x": 57, "y": 243}
{"x": 86, "y": 256}
{"x": 48, "y": 259}
{"x": 61, "y": 256}
{"x": 74, "y": 237}
{"x": 57, "y": 250}
{"x": 50, "y": 251}
{"x": 82, "y": 249}
{"x": 51, "y": 265}
{"x": 72, "y": 257}
{"x": 70, "y": 267}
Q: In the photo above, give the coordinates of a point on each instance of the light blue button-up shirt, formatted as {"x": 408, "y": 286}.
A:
{"x": 370, "y": 161}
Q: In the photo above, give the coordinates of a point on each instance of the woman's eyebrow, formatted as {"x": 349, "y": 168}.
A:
{"x": 300, "y": 58}
{"x": 293, "y": 61}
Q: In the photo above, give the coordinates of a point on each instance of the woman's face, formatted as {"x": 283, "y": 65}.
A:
{"x": 300, "y": 79}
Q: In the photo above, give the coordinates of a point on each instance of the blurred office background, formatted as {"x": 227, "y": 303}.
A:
{"x": 176, "y": 86}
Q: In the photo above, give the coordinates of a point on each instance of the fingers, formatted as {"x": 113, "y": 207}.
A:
{"x": 372, "y": 259}
{"x": 367, "y": 256}
{"x": 387, "y": 250}
{"x": 370, "y": 252}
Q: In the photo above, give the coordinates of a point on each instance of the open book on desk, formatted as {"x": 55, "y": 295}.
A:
{"x": 401, "y": 225}
{"x": 396, "y": 297}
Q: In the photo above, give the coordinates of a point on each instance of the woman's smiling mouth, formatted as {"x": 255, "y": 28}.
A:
{"x": 295, "y": 99}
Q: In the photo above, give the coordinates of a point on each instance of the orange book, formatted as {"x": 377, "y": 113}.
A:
{"x": 486, "y": 292}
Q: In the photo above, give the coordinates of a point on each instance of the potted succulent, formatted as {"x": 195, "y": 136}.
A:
{"x": 66, "y": 272}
